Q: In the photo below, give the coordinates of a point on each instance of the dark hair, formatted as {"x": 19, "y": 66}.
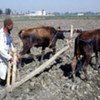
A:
{"x": 7, "y": 21}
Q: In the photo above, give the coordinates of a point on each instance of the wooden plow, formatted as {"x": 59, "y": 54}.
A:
{"x": 40, "y": 69}
{"x": 11, "y": 80}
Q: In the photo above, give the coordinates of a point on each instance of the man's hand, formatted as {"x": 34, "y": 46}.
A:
{"x": 11, "y": 61}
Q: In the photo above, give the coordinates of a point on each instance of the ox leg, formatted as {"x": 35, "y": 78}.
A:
{"x": 19, "y": 63}
{"x": 95, "y": 64}
{"x": 54, "y": 50}
{"x": 85, "y": 66}
{"x": 54, "y": 46}
{"x": 97, "y": 61}
{"x": 26, "y": 50}
{"x": 43, "y": 52}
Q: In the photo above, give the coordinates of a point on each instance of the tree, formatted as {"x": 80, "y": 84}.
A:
{"x": 7, "y": 11}
{"x": 1, "y": 12}
{"x": 56, "y": 13}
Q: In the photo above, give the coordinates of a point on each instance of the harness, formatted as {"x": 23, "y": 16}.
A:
{"x": 53, "y": 38}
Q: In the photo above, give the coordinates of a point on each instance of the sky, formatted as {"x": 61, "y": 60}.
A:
{"x": 51, "y": 5}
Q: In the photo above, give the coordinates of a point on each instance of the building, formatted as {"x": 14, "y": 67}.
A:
{"x": 37, "y": 13}
{"x": 80, "y": 14}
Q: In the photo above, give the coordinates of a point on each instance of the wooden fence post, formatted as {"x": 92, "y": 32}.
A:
{"x": 71, "y": 32}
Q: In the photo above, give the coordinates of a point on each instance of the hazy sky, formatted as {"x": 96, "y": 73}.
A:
{"x": 52, "y": 5}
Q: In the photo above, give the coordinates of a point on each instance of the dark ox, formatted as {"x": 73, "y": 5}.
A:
{"x": 43, "y": 36}
{"x": 86, "y": 43}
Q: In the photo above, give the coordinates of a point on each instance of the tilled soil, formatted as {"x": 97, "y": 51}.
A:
{"x": 53, "y": 83}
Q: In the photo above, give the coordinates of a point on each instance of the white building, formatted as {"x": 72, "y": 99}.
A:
{"x": 80, "y": 14}
{"x": 37, "y": 13}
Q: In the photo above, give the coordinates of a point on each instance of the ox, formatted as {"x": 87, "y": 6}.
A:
{"x": 42, "y": 36}
{"x": 86, "y": 43}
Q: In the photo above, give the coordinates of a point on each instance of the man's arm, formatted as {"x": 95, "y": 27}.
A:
{"x": 5, "y": 54}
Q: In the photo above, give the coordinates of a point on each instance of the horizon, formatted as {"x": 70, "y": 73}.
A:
{"x": 51, "y": 6}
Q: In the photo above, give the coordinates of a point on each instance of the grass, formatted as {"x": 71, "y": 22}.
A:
{"x": 23, "y": 18}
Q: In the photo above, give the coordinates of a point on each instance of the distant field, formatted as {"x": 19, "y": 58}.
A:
{"x": 51, "y": 17}
{"x": 53, "y": 83}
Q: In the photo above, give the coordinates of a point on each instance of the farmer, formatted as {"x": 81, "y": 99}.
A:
{"x": 6, "y": 49}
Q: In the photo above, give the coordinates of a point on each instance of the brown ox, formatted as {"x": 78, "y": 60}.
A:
{"x": 44, "y": 36}
{"x": 86, "y": 43}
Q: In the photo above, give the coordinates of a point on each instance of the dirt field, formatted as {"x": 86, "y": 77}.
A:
{"x": 53, "y": 83}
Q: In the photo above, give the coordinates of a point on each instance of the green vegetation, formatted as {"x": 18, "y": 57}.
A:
{"x": 22, "y": 18}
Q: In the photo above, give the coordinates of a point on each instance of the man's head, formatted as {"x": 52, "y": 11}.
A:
{"x": 8, "y": 24}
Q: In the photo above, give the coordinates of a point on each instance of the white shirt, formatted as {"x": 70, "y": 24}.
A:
{"x": 4, "y": 48}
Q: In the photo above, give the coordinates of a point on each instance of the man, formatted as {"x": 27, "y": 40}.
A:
{"x": 6, "y": 47}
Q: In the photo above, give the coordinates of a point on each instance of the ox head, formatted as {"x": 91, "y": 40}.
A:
{"x": 60, "y": 34}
